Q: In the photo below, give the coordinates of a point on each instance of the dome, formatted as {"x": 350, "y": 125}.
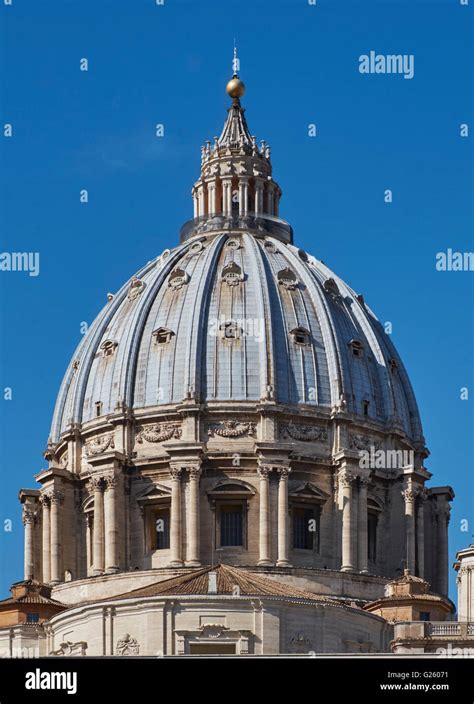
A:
{"x": 219, "y": 414}
{"x": 237, "y": 317}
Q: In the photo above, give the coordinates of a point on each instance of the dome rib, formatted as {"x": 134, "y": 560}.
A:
{"x": 195, "y": 364}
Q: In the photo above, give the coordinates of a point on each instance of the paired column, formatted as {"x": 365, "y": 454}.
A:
{"x": 111, "y": 527}
{"x": 227, "y": 196}
{"x": 283, "y": 517}
{"x": 46, "y": 537}
{"x": 175, "y": 517}
{"x": 29, "y": 520}
{"x": 409, "y": 494}
{"x": 194, "y": 511}
{"x": 362, "y": 546}
{"x": 346, "y": 480}
{"x": 420, "y": 534}
{"x": 98, "y": 554}
{"x": 258, "y": 195}
{"x": 56, "y": 498}
{"x": 243, "y": 195}
{"x": 442, "y": 514}
{"x": 211, "y": 197}
{"x": 264, "y": 533}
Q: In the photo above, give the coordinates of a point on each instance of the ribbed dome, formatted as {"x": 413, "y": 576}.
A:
{"x": 237, "y": 317}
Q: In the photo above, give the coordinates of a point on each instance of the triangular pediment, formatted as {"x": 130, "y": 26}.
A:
{"x": 306, "y": 490}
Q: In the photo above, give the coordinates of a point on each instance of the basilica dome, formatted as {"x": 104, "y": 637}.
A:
{"x": 225, "y": 409}
{"x": 237, "y": 313}
{"x": 237, "y": 317}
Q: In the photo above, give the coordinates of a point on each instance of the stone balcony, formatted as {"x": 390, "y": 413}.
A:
{"x": 427, "y": 636}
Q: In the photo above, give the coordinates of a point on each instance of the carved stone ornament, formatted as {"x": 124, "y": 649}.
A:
{"x": 28, "y": 515}
{"x": 346, "y": 478}
{"x": 71, "y": 649}
{"x": 288, "y": 279}
{"x": 135, "y": 289}
{"x": 127, "y": 646}
{"x": 100, "y": 444}
{"x": 303, "y": 433}
{"x": 300, "y": 642}
{"x": 232, "y": 274}
{"x": 177, "y": 279}
{"x": 64, "y": 459}
{"x": 231, "y": 429}
{"x": 360, "y": 442}
{"x": 213, "y": 630}
{"x": 159, "y": 432}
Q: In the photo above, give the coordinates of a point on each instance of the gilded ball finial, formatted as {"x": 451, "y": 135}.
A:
{"x": 235, "y": 87}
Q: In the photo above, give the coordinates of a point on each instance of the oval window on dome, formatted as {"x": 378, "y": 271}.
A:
{"x": 135, "y": 289}
{"x": 108, "y": 347}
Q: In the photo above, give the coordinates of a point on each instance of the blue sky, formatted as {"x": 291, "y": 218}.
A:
{"x": 169, "y": 64}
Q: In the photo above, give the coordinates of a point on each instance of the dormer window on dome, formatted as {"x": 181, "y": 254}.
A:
{"x": 108, "y": 347}
{"x": 393, "y": 364}
{"x": 162, "y": 336}
{"x": 287, "y": 278}
{"x": 232, "y": 274}
{"x": 357, "y": 348}
{"x": 301, "y": 336}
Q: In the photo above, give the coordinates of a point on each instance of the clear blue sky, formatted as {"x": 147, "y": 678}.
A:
{"x": 150, "y": 64}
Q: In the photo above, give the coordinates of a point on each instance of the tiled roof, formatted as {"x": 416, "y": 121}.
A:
{"x": 30, "y": 599}
{"x": 227, "y": 579}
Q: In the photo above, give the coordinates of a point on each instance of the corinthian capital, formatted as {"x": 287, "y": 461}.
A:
{"x": 346, "y": 478}
{"x": 56, "y": 496}
{"x": 176, "y": 471}
{"x": 263, "y": 471}
{"x": 110, "y": 481}
{"x": 195, "y": 471}
{"x": 283, "y": 471}
{"x": 28, "y": 515}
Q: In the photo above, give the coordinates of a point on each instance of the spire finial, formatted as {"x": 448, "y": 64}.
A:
{"x": 235, "y": 87}
{"x": 235, "y": 63}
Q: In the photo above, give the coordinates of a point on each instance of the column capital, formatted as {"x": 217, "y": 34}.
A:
{"x": 56, "y": 496}
{"x": 364, "y": 481}
{"x": 194, "y": 471}
{"x": 28, "y": 515}
{"x": 283, "y": 471}
{"x": 97, "y": 482}
{"x": 346, "y": 478}
{"x": 410, "y": 493}
{"x": 264, "y": 470}
{"x": 176, "y": 471}
{"x": 45, "y": 500}
{"x": 110, "y": 481}
{"x": 443, "y": 512}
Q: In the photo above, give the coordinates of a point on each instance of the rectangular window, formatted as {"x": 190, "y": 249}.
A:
{"x": 32, "y": 618}
{"x": 160, "y": 529}
{"x": 304, "y": 528}
{"x": 424, "y": 615}
{"x": 372, "y": 536}
{"x": 231, "y": 524}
